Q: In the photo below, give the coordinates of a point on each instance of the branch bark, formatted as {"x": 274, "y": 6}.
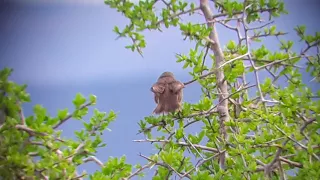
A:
{"x": 94, "y": 159}
{"x": 221, "y": 83}
{"x": 180, "y": 143}
{"x": 138, "y": 171}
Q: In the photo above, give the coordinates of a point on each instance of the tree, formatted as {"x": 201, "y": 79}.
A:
{"x": 31, "y": 147}
{"x": 243, "y": 136}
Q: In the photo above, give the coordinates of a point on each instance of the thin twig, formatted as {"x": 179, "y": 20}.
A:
{"x": 21, "y": 114}
{"x": 200, "y": 163}
{"x": 32, "y": 132}
{"x": 94, "y": 159}
{"x": 80, "y": 176}
{"x": 259, "y": 27}
{"x": 161, "y": 164}
{"x": 180, "y": 143}
{"x": 70, "y": 115}
{"x": 291, "y": 163}
{"x": 261, "y": 10}
{"x": 214, "y": 71}
{"x": 179, "y": 14}
{"x": 138, "y": 171}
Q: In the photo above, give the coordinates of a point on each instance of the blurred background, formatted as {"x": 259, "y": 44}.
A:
{"x": 60, "y": 48}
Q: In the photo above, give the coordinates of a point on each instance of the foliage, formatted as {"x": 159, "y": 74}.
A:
{"x": 31, "y": 147}
{"x": 242, "y": 136}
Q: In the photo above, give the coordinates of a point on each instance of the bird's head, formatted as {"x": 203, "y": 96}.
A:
{"x": 167, "y": 74}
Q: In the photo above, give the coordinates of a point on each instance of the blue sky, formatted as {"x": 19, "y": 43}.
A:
{"x": 64, "y": 47}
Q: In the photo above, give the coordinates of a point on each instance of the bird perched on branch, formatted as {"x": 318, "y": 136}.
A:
{"x": 168, "y": 93}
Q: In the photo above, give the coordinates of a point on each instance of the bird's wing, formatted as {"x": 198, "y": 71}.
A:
{"x": 157, "y": 89}
{"x": 156, "y": 98}
{"x": 176, "y": 86}
{"x": 180, "y": 96}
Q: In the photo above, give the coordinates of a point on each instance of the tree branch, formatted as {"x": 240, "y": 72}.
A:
{"x": 22, "y": 117}
{"x": 163, "y": 165}
{"x": 70, "y": 115}
{"x": 216, "y": 69}
{"x": 292, "y": 163}
{"x": 32, "y": 132}
{"x": 94, "y": 159}
{"x": 261, "y": 10}
{"x": 138, "y": 171}
{"x": 223, "y": 108}
{"x": 178, "y": 14}
{"x": 180, "y": 143}
{"x": 201, "y": 162}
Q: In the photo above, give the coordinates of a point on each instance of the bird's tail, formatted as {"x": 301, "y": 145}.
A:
{"x": 159, "y": 109}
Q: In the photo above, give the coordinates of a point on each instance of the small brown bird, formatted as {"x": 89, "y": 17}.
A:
{"x": 168, "y": 93}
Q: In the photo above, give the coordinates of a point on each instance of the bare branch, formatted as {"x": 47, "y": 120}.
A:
{"x": 276, "y": 158}
{"x": 32, "y": 132}
{"x": 77, "y": 150}
{"x": 281, "y": 63}
{"x": 306, "y": 124}
{"x": 292, "y": 163}
{"x": 259, "y": 27}
{"x": 180, "y": 143}
{"x": 215, "y": 70}
{"x": 276, "y": 62}
{"x": 201, "y": 162}
{"x": 162, "y": 164}
{"x": 179, "y": 14}
{"x": 22, "y": 117}
{"x": 222, "y": 86}
{"x": 281, "y": 171}
{"x": 310, "y": 46}
{"x": 251, "y": 61}
{"x": 138, "y": 171}
{"x": 261, "y": 10}
{"x": 94, "y": 159}
{"x": 226, "y": 25}
{"x": 237, "y": 91}
{"x": 79, "y": 177}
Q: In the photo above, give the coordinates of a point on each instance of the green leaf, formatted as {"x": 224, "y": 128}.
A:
{"x": 40, "y": 113}
{"x": 62, "y": 114}
{"x": 206, "y": 103}
{"x": 93, "y": 98}
{"x": 272, "y": 30}
{"x": 129, "y": 47}
{"x": 79, "y": 100}
{"x": 116, "y": 30}
{"x": 88, "y": 126}
{"x": 231, "y": 45}
{"x": 24, "y": 97}
{"x": 192, "y": 5}
{"x": 111, "y": 116}
{"x": 186, "y": 64}
{"x": 78, "y": 114}
{"x": 179, "y": 133}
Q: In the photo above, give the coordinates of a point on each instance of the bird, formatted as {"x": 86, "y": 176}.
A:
{"x": 168, "y": 93}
